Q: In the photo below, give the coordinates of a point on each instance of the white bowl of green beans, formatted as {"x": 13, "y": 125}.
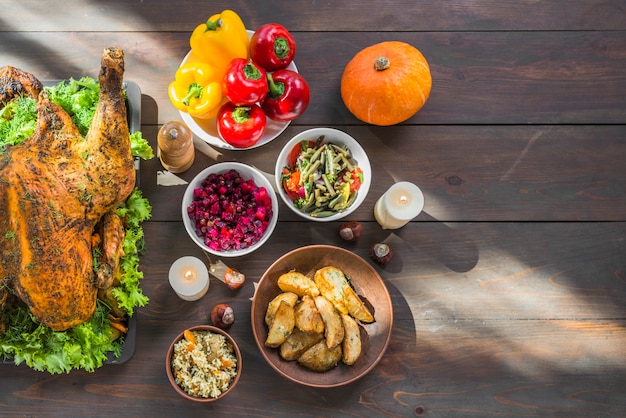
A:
{"x": 323, "y": 174}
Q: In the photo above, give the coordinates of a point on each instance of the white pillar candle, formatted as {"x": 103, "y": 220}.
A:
{"x": 398, "y": 205}
{"x": 189, "y": 278}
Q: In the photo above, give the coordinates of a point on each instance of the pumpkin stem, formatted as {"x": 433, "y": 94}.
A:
{"x": 381, "y": 63}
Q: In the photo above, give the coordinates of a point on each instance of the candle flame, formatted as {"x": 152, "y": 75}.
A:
{"x": 189, "y": 275}
{"x": 403, "y": 200}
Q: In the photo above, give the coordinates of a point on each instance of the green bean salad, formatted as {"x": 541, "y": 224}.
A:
{"x": 321, "y": 178}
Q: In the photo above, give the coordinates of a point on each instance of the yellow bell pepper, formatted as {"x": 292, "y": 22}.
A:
{"x": 220, "y": 39}
{"x": 197, "y": 90}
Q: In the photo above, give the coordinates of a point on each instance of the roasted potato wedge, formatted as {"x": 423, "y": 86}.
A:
{"x": 298, "y": 342}
{"x": 333, "y": 326}
{"x": 282, "y": 325}
{"x": 297, "y": 283}
{"x": 289, "y": 297}
{"x": 356, "y": 307}
{"x": 317, "y": 322}
{"x": 320, "y": 358}
{"x": 331, "y": 283}
{"x": 351, "y": 344}
{"x": 334, "y": 285}
{"x": 308, "y": 318}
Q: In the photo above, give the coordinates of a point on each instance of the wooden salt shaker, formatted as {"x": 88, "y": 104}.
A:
{"x": 175, "y": 142}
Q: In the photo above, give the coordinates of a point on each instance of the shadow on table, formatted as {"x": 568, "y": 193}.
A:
{"x": 450, "y": 247}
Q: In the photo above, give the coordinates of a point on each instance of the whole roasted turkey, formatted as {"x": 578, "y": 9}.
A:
{"x": 57, "y": 191}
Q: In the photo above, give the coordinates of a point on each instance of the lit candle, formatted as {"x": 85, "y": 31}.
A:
{"x": 189, "y": 278}
{"x": 398, "y": 205}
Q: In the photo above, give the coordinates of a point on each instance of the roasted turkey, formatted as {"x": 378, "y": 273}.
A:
{"x": 15, "y": 82}
{"x": 57, "y": 191}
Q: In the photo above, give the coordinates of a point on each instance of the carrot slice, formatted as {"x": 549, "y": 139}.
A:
{"x": 189, "y": 336}
{"x": 120, "y": 327}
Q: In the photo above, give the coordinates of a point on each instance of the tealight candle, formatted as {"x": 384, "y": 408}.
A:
{"x": 398, "y": 205}
{"x": 189, "y": 278}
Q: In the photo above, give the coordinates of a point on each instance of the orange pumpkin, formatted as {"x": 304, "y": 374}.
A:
{"x": 386, "y": 83}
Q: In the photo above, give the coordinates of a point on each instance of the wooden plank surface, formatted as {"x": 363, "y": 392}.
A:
{"x": 478, "y": 77}
{"x": 302, "y": 15}
{"x": 467, "y": 173}
{"x": 452, "y": 271}
{"x": 508, "y": 289}
{"x": 487, "y": 326}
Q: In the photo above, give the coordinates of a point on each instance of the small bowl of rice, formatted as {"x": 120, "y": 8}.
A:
{"x": 203, "y": 363}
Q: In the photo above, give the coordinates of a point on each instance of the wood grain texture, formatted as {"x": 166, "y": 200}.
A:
{"x": 484, "y": 327}
{"x": 302, "y": 15}
{"x": 478, "y": 77}
{"x": 508, "y": 290}
{"x": 467, "y": 173}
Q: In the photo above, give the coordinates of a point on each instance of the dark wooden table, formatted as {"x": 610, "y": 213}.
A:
{"x": 509, "y": 290}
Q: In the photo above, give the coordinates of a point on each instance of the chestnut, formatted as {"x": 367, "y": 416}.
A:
{"x": 350, "y": 231}
{"x": 233, "y": 278}
{"x": 381, "y": 253}
{"x": 222, "y": 315}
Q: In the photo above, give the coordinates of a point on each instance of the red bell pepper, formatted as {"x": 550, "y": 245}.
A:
{"x": 241, "y": 126}
{"x": 272, "y": 47}
{"x": 356, "y": 179}
{"x": 288, "y": 96}
{"x": 245, "y": 82}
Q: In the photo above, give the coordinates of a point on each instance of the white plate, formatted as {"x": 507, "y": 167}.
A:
{"x": 206, "y": 129}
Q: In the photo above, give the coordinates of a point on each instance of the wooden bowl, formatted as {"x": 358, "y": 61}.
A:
{"x": 368, "y": 285}
{"x": 168, "y": 365}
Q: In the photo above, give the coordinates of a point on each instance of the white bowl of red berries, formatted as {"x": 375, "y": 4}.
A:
{"x": 230, "y": 209}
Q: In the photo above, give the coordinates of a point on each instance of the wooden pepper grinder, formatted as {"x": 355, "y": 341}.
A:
{"x": 176, "y": 150}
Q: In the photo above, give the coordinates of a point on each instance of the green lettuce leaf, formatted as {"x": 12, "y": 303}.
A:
{"x": 134, "y": 210}
{"x": 140, "y": 146}
{"x": 79, "y": 98}
{"x": 18, "y": 120}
